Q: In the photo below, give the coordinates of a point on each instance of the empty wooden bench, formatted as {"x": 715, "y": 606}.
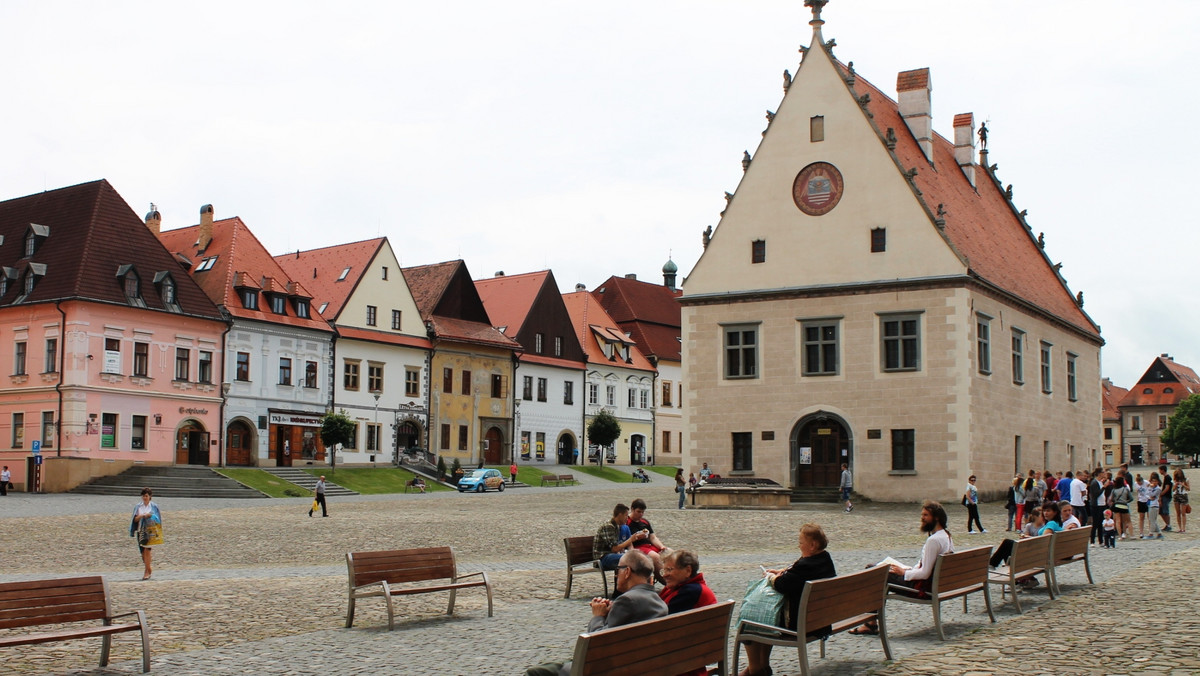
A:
{"x": 664, "y": 646}
{"x": 839, "y": 603}
{"x": 551, "y": 479}
{"x": 382, "y": 573}
{"x": 1066, "y": 547}
{"x": 954, "y": 575}
{"x": 568, "y": 479}
{"x": 581, "y": 560}
{"x": 63, "y": 601}
{"x": 1028, "y": 560}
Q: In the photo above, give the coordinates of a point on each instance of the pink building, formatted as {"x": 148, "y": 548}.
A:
{"x": 113, "y": 352}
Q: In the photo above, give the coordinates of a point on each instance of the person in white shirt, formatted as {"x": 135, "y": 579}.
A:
{"x": 5, "y": 477}
{"x": 1069, "y": 520}
{"x": 1078, "y": 497}
{"x": 916, "y": 578}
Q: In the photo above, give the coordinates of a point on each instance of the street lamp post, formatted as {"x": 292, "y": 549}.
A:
{"x": 375, "y": 430}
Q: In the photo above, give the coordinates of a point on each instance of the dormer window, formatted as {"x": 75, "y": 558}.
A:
{"x": 249, "y": 299}
{"x": 33, "y": 238}
{"x": 131, "y": 285}
{"x": 278, "y": 304}
{"x": 301, "y": 305}
{"x": 29, "y": 282}
{"x": 165, "y": 284}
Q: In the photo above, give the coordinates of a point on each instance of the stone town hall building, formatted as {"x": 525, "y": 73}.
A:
{"x": 873, "y": 296}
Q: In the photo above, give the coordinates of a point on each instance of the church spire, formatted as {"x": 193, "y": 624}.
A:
{"x": 816, "y": 6}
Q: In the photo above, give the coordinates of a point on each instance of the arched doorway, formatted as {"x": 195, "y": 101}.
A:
{"x": 408, "y": 435}
{"x": 493, "y": 446}
{"x": 240, "y": 443}
{"x": 191, "y": 444}
{"x": 637, "y": 449}
{"x": 820, "y": 443}
{"x": 566, "y": 448}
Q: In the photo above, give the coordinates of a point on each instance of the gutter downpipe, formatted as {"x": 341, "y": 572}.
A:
{"x": 62, "y": 355}
{"x": 224, "y": 391}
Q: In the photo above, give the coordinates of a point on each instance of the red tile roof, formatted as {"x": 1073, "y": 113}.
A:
{"x": 982, "y": 225}
{"x": 591, "y": 320}
{"x": 321, "y": 269}
{"x": 1112, "y": 396}
{"x": 383, "y": 337}
{"x": 1163, "y": 375}
{"x": 242, "y": 261}
{"x": 92, "y": 232}
{"x": 508, "y": 299}
{"x": 649, "y": 312}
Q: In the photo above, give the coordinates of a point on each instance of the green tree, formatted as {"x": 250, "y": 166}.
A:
{"x": 336, "y": 429}
{"x": 603, "y": 430}
{"x": 1182, "y": 435}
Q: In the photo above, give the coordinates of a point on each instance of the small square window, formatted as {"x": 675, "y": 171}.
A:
{"x": 758, "y": 251}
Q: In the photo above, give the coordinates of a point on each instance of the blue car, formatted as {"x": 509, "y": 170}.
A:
{"x": 480, "y": 480}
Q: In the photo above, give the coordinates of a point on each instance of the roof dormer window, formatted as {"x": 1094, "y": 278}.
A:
{"x": 131, "y": 285}
{"x": 278, "y": 304}
{"x": 167, "y": 291}
{"x": 249, "y": 298}
{"x": 301, "y": 305}
{"x": 34, "y": 238}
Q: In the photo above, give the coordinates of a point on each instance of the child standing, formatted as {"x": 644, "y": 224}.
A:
{"x": 1110, "y": 530}
{"x": 1153, "y": 492}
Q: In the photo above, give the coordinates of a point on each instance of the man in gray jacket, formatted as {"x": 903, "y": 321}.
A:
{"x": 637, "y": 602}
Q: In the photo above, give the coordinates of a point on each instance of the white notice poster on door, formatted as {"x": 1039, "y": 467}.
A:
{"x": 806, "y": 455}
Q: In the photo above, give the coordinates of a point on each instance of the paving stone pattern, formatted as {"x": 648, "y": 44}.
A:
{"x": 257, "y": 587}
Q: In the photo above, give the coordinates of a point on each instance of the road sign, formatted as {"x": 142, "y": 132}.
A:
{"x": 37, "y": 447}
{"x": 37, "y": 459}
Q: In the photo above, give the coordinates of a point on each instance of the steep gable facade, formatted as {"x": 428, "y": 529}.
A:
{"x": 380, "y": 365}
{"x": 279, "y": 351}
{"x": 548, "y": 381}
{"x": 872, "y": 297}
{"x": 650, "y": 315}
{"x": 619, "y": 380}
{"x": 1147, "y": 407}
{"x": 113, "y": 352}
{"x": 1112, "y": 445}
{"x": 471, "y": 399}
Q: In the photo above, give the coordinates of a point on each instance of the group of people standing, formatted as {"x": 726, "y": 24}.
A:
{"x": 1101, "y": 495}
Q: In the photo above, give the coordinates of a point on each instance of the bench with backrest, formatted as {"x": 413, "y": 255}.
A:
{"x": 581, "y": 560}
{"x": 664, "y": 646}
{"x": 551, "y": 479}
{"x": 839, "y": 603}
{"x": 567, "y": 479}
{"x": 387, "y": 574}
{"x": 1029, "y": 559}
{"x": 1066, "y": 547}
{"x": 411, "y": 484}
{"x": 66, "y": 601}
{"x": 954, "y": 575}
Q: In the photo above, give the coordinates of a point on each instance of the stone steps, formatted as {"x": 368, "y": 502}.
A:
{"x": 306, "y": 480}
{"x": 823, "y": 495}
{"x": 168, "y": 482}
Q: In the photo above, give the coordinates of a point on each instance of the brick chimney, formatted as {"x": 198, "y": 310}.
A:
{"x": 204, "y": 236}
{"x": 154, "y": 220}
{"x": 914, "y": 91}
{"x": 964, "y": 144}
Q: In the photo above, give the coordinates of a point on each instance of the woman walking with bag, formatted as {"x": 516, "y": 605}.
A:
{"x": 1182, "y": 487}
{"x": 680, "y": 485}
{"x": 147, "y": 528}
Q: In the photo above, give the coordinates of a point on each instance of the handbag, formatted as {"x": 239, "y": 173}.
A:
{"x": 964, "y": 500}
{"x": 143, "y": 534}
{"x": 762, "y": 604}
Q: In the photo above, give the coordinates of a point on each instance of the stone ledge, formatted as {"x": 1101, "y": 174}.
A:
{"x": 742, "y": 497}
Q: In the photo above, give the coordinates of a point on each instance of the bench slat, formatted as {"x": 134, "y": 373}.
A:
{"x": 664, "y": 646}
{"x": 48, "y": 636}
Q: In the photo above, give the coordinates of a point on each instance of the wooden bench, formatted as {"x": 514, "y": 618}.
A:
{"x": 664, "y": 646}
{"x": 567, "y": 479}
{"x": 76, "y": 599}
{"x": 954, "y": 575}
{"x": 410, "y": 484}
{"x": 551, "y": 479}
{"x": 581, "y": 560}
{"x": 375, "y": 573}
{"x": 1029, "y": 558}
{"x": 839, "y": 603}
{"x": 1066, "y": 547}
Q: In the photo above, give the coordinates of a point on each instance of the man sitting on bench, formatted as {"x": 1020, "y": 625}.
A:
{"x": 650, "y": 545}
{"x": 613, "y": 538}
{"x": 914, "y": 580}
{"x": 418, "y": 483}
{"x": 638, "y": 601}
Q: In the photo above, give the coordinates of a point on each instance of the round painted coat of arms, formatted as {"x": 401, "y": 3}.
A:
{"x": 818, "y": 188}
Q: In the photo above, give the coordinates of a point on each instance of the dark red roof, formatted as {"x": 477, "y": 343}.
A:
{"x": 1165, "y": 383}
{"x": 447, "y": 298}
{"x": 241, "y": 260}
{"x": 1112, "y": 396}
{"x": 508, "y": 298}
{"x": 649, "y": 312}
{"x": 90, "y": 233}
{"x": 981, "y": 224}
{"x": 592, "y": 324}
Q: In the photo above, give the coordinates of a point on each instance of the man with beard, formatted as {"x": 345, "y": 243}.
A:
{"x": 915, "y": 579}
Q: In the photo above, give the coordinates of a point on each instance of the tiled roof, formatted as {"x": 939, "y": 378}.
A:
{"x": 320, "y": 270}
{"x": 1112, "y": 396}
{"x": 981, "y": 224}
{"x": 383, "y": 337}
{"x": 90, "y": 234}
{"x": 649, "y": 312}
{"x": 1164, "y": 374}
{"x": 589, "y": 318}
{"x": 447, "y": 299}
{"x": 241, "y": 261}
{"x": 509, "y": 298}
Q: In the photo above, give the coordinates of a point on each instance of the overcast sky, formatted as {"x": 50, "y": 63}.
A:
{"x": 598, "y": 138}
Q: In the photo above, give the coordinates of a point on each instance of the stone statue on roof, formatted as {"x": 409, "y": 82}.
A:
{"x": 983, "y": 135}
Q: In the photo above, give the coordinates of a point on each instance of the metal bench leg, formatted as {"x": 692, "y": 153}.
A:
{"x": 987, "y": 600}
{"x": 450, "y": 608}
{"x": 387, "y": 596}
{"x": 887, "y": 648}
{"x": 803, "y": 649}
{"x": 105, "y": 644}
{"x": 488, "y": 587}
{"x": 937, "y": 616}
{"x": 570, "y": 578}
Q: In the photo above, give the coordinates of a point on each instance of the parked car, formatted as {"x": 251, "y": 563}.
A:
{"x": 480, "y": 480}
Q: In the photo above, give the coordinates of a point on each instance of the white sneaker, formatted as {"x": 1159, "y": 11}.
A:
{"x": 982, "y": 530}
{"x": 970, "y": 532}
